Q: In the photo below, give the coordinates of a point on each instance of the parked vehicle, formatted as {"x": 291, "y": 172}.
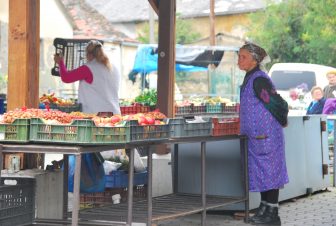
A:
{"x": 298, "y": 78}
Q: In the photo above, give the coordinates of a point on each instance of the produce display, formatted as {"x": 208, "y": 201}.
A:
{"x": 52, "y": 99}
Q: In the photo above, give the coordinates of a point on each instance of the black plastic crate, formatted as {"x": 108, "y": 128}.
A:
{"x": 17, "y": 202}
{"x": 73, "y": 51}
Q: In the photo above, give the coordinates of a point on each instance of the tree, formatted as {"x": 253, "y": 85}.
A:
{"x": 184, "y": 32}
{"x": 297, "y": 31}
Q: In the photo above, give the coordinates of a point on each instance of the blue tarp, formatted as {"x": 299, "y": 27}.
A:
{"x": 146, "y": 61}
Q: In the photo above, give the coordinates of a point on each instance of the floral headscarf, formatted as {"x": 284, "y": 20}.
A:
{"x": 257, "y": 52}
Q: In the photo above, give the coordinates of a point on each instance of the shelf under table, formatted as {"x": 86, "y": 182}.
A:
{"x": 164, "y": 207}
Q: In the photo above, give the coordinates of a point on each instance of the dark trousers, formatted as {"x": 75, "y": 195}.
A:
{"x": 270, "y": 196}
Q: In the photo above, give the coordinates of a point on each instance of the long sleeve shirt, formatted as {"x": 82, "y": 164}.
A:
{"x": 81, "y": 73}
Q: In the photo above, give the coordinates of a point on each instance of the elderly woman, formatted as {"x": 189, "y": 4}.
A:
{"x": 263, "y": 114}
{"x": 316, "y": 106}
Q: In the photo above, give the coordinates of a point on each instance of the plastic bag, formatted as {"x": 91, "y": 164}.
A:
{"x": 110, "y": 166}
{"x": 92, "y": 173}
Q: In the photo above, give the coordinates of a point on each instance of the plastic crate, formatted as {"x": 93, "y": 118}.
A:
{"x": 67, "y": 108}
{"x": 225, "y": 126}
{"x": 109, "y": 135}
{"x": 214, "y": 108}
{"x": 231, "y": 109}
{"x": 119, "y": 179}
{"x": 200, "y": 109}
{"x": 148, "y": 132}
{"x": 18, "y": 131}
{"x": 17, "y": 202}
{"x": 134, "y": 109}
{"x": 73, "y": 51}
{"x": 181, "y": 127}
{"x": 183, "y": 110}
{"x": 78, "y": 132}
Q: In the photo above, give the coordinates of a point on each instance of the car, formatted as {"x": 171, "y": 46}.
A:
{"x": 298, "y": 78}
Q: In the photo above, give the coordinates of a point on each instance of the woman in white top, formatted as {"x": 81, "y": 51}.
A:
{"x": 98, "y": 80}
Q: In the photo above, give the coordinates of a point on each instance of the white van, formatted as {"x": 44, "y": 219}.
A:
{"x": 287, "y": 76}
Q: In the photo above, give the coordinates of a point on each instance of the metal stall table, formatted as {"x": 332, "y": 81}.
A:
{"x": 159, "y": 208}
{"x": 177, "y": 204}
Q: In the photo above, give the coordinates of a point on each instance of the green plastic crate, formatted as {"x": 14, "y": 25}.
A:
{"x": 214, "y": 108}
{"x": 18, "y": 131}
{"x": 181, "y": 127}
{"x": 110, "y": 135}
{"x": 78, "y": 132}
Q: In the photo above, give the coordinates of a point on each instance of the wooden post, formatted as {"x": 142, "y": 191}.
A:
{"x": 23, "y": 53}
{"x": 212, "y": 23}
{"x": 166, "y": 53}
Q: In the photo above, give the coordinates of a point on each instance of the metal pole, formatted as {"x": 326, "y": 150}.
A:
{"x": 175, "y": 168}
{"x": 203, "y": 189}
{"x": 65, "y": 185}
{"x": 244, "y": 154}
{"x": 76, "y": 198}
{"x": 130, "y": 186}
{"x": 149, "y": 187}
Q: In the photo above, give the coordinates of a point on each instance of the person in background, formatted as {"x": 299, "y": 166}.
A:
{"x": 97, "y": 92}
{"x": 330, "y": 89}
{"x": 263, "y": 114}
{"x": 98, "y": 80}
{"x": 316, "y": 106}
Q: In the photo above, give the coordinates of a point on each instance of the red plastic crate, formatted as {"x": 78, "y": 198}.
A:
{"x": 134, "y": 109}
{"x": 232, "y": 109}
{"x": 225, "y": 126}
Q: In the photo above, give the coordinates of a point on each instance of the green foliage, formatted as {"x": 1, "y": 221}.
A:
{"x": 148, "y": 97}
{"x": 184, "y": 33}
{"x": 297, "y": 31}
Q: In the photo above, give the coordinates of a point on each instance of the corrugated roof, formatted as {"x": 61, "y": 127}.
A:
{"x": 118, "y": 11}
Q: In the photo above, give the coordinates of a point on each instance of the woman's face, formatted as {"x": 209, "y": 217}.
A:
{"x": 245, "y": 60}
{"x": 331, "y": 78}
{"x": 317, "y": 94}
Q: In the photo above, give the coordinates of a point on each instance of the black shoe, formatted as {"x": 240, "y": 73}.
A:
{"x": 260, "y": 211}
{"x": 269, "y": 218}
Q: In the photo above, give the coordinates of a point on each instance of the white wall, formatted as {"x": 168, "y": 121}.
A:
{"x": 53, "y": 22}
{"x": 4, "y": 10}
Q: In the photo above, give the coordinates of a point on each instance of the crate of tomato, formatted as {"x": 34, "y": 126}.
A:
{"x": 225, "y": 126}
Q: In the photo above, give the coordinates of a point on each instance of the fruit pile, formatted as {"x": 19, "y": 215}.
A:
{"x": 59, "y": 117}
{"x": 48, "y": 99}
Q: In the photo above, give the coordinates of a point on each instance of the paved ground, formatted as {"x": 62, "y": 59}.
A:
{"x": 318, "y": 209}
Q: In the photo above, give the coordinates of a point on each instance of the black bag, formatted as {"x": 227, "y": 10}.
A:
{"x": 278, "y": 108}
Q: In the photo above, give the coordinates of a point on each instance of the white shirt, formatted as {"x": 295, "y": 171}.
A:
{"x": 102, "y": 94}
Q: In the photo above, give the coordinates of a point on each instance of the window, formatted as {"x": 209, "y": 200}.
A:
{"x": 285, "y": 80}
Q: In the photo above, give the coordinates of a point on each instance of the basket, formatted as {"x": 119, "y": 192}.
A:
{"x": 17, "y": 205}
{"x": 134, "y": 109}
{"x": 17, "y": 131}
{"x": 67, "y": 108}
{"x": 119, "y": 179}
{"x": 73, "y": 51}
{"x": 181, "y": 127}
{"x": 225, "y": 126}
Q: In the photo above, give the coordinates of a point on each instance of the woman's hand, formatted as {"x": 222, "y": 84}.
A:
{"x": 57, "y": 58}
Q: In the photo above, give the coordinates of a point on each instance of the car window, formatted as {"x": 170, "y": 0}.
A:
{"x": 285, "y": 80}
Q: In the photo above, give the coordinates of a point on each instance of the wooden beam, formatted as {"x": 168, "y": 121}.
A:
{"x": 166, "y": 53}
{"x": 23, "y": 53}
{"x": 155, "y": 5}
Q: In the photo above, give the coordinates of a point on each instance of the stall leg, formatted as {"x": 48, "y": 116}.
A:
{"x": 203, "y": 189}
{"x": 334, "y": 157}
{"x": 65, "y": 185}
{"x": 149, "y": 187}
{"x": 244, "y": 154}
{"x": 130, "y": 186}
{"x": 1, "y": 160}
{"x": 76, "y": 198}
